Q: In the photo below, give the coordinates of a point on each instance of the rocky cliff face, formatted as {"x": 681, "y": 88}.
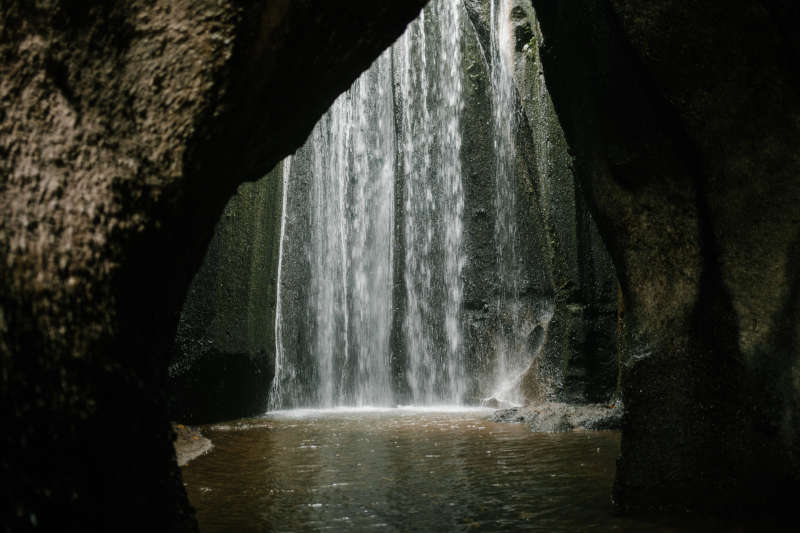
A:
{"x": 124, "y": 128}
{"x": 567, "y": 269}
{"x": 223, "y": 358}
{"x": 683, "y": 121}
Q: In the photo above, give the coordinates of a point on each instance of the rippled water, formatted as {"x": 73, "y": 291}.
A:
{"x": 403, "y": 470}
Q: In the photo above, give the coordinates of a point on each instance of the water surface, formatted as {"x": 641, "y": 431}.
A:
{"x": 403, "y": 470}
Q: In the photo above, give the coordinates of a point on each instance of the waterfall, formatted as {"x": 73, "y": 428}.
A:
{"x": 416, "y": 140}
{"x": 453, "y": 198}
{"x": 352, "y": 219}
{"x": 511, "y": 353}
{"x": 429, "y": 62}
{"x": 403, "y": 115}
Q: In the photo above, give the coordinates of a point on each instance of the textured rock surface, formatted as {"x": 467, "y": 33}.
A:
{"x": 551, "y": 417}
{"x": 484, "y": 322}
{"x": 189, "y": 444}
{"x": 567, "y": 269}
{"x": 124, "y": 128}
{"x": 683, "y": 120}
{"x": 223, "y": 361}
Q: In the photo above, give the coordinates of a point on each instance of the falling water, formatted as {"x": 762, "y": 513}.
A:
{"x": 281, "y": 365}
{"x": 355, "y": 151}
{"x": 512, "y": 358}
{"x": 351, "y": 243}
{"x": 416, "y": 139}
{"x": 449, "y": 114}
{"x": 429, "y": 61}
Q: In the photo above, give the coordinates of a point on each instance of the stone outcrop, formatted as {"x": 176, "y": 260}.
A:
{"x": 683, "y": 122}
{"x": 189, "y": 444}
{"x": 124, "y": 128}
{"x": 557, "y": 417}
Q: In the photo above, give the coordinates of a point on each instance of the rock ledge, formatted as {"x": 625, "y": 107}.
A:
{"x": 190, "y": 444}
{"x": 552, "y": 417}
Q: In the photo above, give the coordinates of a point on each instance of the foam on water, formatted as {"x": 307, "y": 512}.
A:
{"x": 400, "y": 410}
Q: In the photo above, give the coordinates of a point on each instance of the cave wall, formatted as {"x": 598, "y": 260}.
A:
{"x": 683, "y": 122}
{"x": 223, "y": 359}
{"x": 487, "y": 316}
{"x": 124, "y": 129}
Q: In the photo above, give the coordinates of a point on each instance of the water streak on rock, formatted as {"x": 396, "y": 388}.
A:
{"x": 510, "y": 343}
{"x": 276, "y": 391}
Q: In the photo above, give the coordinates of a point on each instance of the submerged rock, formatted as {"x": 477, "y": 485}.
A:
{"x": 552, "y": 417}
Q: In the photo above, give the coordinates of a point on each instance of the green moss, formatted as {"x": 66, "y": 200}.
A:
{"x": 532, "y": 45}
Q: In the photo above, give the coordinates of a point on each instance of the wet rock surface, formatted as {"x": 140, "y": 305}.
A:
{"x": 568, "y": 284}
{"x": 222, "y": 361}
{"x": 189, "y": 444}
{"x": 552, "y": 417}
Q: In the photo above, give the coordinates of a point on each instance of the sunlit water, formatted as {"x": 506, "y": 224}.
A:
{"x": 404, "y": 470}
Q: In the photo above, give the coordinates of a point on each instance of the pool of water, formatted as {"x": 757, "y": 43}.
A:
{"x": 404, "y": 470}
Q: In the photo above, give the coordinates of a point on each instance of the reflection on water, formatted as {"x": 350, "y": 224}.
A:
{"x": 403, "y": 470}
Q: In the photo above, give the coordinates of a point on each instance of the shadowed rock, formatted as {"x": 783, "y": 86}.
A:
{"x": 683, "y": 120}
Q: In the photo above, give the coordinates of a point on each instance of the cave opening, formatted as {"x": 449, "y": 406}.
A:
{"x": 428, "y": 244}
{"x": 425, "y": 258}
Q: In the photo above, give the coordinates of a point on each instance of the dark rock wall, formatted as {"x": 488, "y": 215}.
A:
{"x": 225, "y": 344}
{"x": 124, "y": 129}
{"x": 296, "y": 290}
{"x": 683, "y": 120}
{"x": 478, "y": 159}
{"x": 567, "y": 270}
{"x": 487, "y": 317}
{"x": 585, "y": 283}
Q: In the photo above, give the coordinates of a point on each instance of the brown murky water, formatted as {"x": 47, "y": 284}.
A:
{"x": 404, "y": 470}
